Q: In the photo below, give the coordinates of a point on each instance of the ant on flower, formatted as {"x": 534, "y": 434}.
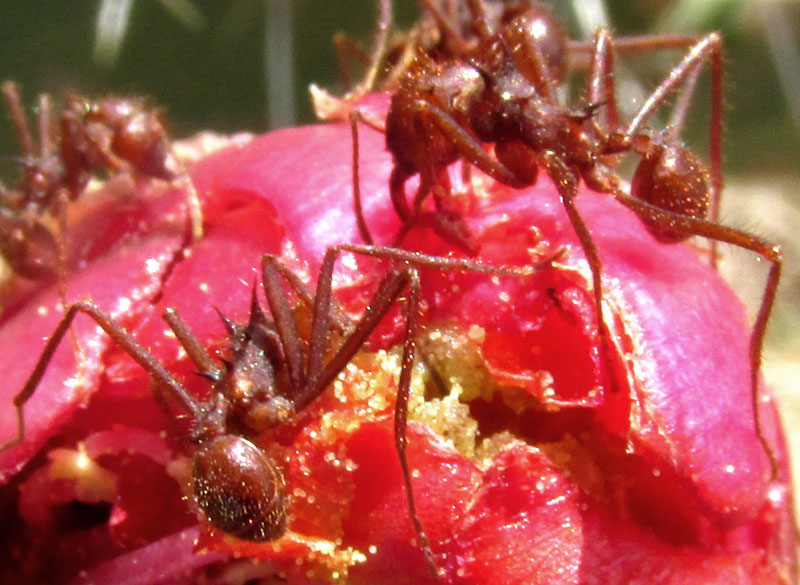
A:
{"x": 111, "y": 135}
{"x": 272, "y": 376}
{"x": 498, "y": 82}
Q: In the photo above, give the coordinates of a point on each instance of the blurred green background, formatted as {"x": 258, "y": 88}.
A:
{"x": 204, "y": 61}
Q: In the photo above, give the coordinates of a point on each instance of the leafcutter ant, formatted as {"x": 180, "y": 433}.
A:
{"x": 111, "y": 135}
{"x": 504, "y": 92}
{"x": 273, "y": 375}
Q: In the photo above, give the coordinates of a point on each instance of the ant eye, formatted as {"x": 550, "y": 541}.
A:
{"x": 239, "y": 489}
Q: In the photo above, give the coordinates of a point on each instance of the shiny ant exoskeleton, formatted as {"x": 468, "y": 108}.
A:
{"x": 273, "y": 375}
{"x": 111, "y": 135}
{"x": 503, "y": 90}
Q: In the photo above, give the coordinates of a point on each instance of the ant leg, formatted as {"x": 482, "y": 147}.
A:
{"x": 534, "y": 68}
{"x": 122, "y": 338}
{"x": 379, "y": 50}
{"x": 469, "y": 147}
{"x": 339, "y": 319}
{"x": 319, "y": 378}
{"x": 194, "y": 349}
{"x": 770, "y": 252}
{"x": 47, "y": 143}
{"x": 388, "y": 292}
{"x": 636, "y": 43}
{"x": 479, "y": 21}
{"x": 62, "y": 265}
{"x": 682, "y": 103}
{"x": 566, "y": 183}
{"x": 355, "y": 116}
{"x": 284, "y": 321}
{"x": 16, "y": 111}
{"x": 397, "y": 192}
{"x": 376, "y": 58}
{"x": 452, "y": 38}
{"x": 420, "y": 260}
{"x": 344, "y": 47}
{"x": 401, "y": 414}
{"x": 601, "y": 88}
{"x": 195, "y": 211}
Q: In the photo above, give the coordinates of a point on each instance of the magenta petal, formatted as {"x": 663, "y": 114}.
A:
{"x": 523, "y": 525}
{"x": 169, "y": 560}
{"x": 121, "y": 283}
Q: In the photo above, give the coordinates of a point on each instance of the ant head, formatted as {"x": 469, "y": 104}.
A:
{"x": 239, "y": 489}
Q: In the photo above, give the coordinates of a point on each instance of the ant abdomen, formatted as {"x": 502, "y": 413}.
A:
{"x": 239, "y": 489}
{"x": 671, "y": 178}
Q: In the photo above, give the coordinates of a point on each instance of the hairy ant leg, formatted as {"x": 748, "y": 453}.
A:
{"x": 345, "y": 48}
{"x": 672, "y": 191}
{"x": 388, "y": 292}
{"x": 601, "y": 90}
{"x": 121, "y": 337}
{"x": 697, "y": 226}
{"x": 358, "y": 208}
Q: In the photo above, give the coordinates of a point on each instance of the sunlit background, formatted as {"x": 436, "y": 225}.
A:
{"x": 246, "y": 65}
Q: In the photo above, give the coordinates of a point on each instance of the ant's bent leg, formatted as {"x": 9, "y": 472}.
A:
{"x": 379, "y": 49}
{"x": 320, "y": 377}
{"x": 401, "y": 414}
{"x": 389, "y": 290}
{"x": 284, "y": 321}
{"x": 345, "y": 49}
{"x": 470, "y": 148}
{"x": 121, "y": 337}
{"x": 16, "y": 112}
{"x": 421, "y": 260}
{"x": 195, "y": 212}
{"x": 770, "y": 252}
{"x": 339, "y": 320}
{"x": 601, "y": 88}
{"x": 397, "y": 192}
{"x": 358, "y": 209}
{"x": 194, "y": 349}
{"x": 566, "y": 182}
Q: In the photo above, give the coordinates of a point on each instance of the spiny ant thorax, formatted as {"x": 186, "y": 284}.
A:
{"x": 247, "y": 396}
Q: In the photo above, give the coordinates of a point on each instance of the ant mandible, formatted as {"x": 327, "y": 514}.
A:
{"x": 272, "y": 376}
{"x": 505, "y": 92}
{"x": 113, "y": 135}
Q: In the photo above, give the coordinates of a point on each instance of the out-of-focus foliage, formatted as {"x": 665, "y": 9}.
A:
{"x": 204, "y": 60}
